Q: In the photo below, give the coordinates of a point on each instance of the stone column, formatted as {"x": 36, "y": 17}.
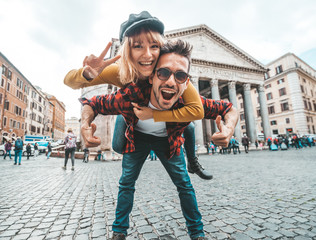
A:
{"x": 264, "y": 112}
{"x": 233, "y": 100}
{"x": 215, "y": 96}
{"x": 198, "y": 123}
{"x": 249, "y": 113}
{"x": 208, "y": 129}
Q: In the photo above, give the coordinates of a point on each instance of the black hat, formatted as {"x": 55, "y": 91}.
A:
{"x": 137, "y": 20}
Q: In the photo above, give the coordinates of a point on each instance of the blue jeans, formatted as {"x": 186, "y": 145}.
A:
{"x": 48, "y": 154}
{"x": 6, "y": 153}
{"x": 18, "y": 153}
{"x": 131, "y": 166}
{"x": 119, "y": 139}
{"x": 189, "y": 143}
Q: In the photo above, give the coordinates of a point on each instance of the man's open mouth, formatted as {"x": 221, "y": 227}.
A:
{"x": 167, "y": 95}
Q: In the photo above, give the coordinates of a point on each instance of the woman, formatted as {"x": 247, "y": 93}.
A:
{"x": 141, "y": 39}
{"x": 7, "y": 148}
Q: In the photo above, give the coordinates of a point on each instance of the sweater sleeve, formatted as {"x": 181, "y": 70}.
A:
{"x": 192, "y": 110}
{"x": 109, "y": 75}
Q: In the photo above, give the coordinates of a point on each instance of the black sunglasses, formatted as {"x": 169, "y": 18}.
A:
{"x": 164, "y": 74}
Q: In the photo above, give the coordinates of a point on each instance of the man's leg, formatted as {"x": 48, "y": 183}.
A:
{"x": 193, "y": 164}
{"x": 177, "y": 171}
{"x": 131, "y": 166}
{"x": 15, "y": 157}
{"x": 20, "y": 156}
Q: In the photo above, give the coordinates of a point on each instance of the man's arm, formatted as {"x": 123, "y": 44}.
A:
{"x": 226, "y": 129}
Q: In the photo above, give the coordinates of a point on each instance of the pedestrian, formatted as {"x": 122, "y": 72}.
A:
{"x": 144, "y": 32}
{"x": 18, "y": 148}
{"x": 86, "y": 155}
{"x": 245, "y": 142}
{"x": 28, "y": 151}
{"x": 256, "y": 143}
{"x": 153, "y": 156}
{"x": 7, "y": 148}
{"x": 35, "y": 150}
{"x": 70, "y": 149}
{"x": 162, "y": 91}
{"x": 49, "y": 150}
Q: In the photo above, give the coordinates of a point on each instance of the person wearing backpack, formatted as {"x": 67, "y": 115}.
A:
{"x": 70, "y": 148}
{"x": 18, "y": 147}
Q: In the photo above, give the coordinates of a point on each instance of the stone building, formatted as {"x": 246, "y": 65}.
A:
{"x": 290, "y": 88}
{"x": 220, "y": 70}
{"x": 74, "y": 124}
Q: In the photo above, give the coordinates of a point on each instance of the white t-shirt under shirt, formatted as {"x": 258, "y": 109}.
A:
{"x": 151, "y": 127}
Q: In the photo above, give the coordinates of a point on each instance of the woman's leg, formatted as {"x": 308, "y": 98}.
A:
{"x": 119, "y": 140}
{"x": 189, "y": 145}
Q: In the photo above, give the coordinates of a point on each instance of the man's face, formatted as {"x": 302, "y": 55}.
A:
{"x": 165, "y": 93}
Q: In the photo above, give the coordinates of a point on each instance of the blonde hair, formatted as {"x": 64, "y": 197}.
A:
{"x": 127, "y": 69}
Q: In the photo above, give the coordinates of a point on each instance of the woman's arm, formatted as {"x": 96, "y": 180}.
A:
{"x": 110, "y": 75}
{"x": 193, "y": 109}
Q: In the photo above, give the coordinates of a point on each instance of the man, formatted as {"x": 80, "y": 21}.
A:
{"x": 70, "y": 149}
{"x": 245, "y": 142}
{"x": 18, "y": 148}
{"x": 169, "y": 80}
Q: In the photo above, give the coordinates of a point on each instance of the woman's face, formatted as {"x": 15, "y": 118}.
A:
{"x": 144, "y": 54}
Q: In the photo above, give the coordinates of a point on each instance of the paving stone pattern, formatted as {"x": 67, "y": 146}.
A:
{"x": 259, "y": 195}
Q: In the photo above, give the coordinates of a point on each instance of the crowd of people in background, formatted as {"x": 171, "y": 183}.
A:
{"x": 280, "y": 142}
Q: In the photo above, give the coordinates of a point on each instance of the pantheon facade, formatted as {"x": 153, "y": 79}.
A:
{"x": 219, "y": 70}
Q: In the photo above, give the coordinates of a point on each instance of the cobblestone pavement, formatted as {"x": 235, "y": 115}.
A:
{"x": 259, "y": 195}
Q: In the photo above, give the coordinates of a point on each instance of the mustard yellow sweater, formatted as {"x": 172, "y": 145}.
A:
{"x": 193, "y": 109}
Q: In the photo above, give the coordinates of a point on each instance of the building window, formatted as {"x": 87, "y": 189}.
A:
{"x": 271, "y": 110}
{"x": 269, "y": 96}
{"x": 4, "y": 70}
{"x": 243, "y": 127}
{"x": 4, "y": 121}
{"x": 1, "y": 98}
{"x": 284, "y": 106}
{"x": 9, "y": 75}
{"x": 278, "y": 69}
{"x": 241, "y": 105}
{"x": 305, "y": 104}
{"x": 258, "y": 113}
{"x": 309, "y": 106}
{"x": 267, "y": 86}
{"x": 242, "y": 117}
{"x": 6, "y": 105}
{"x": 314, "y": 106}
{"x": 273, "y": 122}
{"x": 280, "y": 81}
{"x": 2, "y": 82}
{"x": 282, "y": 92}
{"x": 8, "y": 87}
{"x": 302, "y": 89}
{"x": 287, "y": 120}
{"x": 275, "y": 131}
{"x": 266, "y": 75}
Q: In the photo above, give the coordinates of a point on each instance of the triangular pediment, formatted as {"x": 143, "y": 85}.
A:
{"x": 212, "y": 48}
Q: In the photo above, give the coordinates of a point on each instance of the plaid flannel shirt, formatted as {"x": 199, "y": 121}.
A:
{"x": 120, "y": 102}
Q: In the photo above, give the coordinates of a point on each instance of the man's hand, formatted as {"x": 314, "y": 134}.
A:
{"x": 222, "y": 137}
{"x": 95, "y": 65}
{"x": 87, "y": 133}
{"x": 143, "y": 113}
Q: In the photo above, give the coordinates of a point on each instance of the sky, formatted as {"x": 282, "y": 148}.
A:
{"x": 45, "y": 39}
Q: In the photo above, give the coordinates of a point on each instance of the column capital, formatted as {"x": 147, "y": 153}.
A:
{"x": 194, "y": 79}
{"x": 231, "y": 85}
{"x": 260, "y": 88}
{"x": 247, "y": 86}
{"x": 214, "y": 83}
